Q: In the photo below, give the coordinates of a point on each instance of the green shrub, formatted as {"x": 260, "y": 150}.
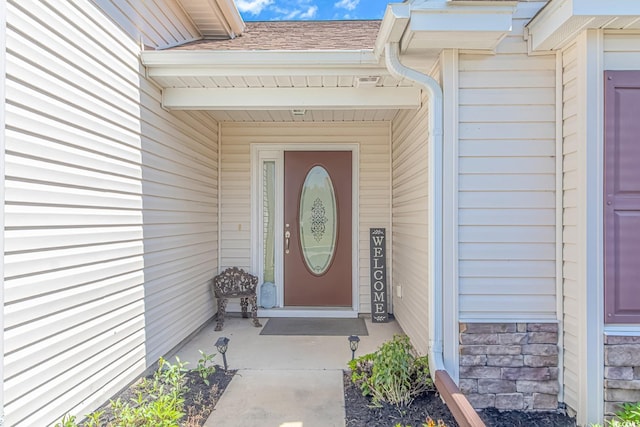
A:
{"x": 393, "y": 374}
{"x": 627, "y": 416}
{"x": 159, "y": 402}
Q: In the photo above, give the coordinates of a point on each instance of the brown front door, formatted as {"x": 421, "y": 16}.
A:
{"x": 317, "y": 227}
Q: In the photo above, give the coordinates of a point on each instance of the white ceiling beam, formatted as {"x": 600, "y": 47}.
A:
{"x": 290, "y": 98}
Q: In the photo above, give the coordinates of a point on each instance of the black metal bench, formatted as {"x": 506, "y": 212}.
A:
{"x": 234, "y": 282}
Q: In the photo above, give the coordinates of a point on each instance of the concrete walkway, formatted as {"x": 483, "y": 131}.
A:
{"x": 282, "y": 381}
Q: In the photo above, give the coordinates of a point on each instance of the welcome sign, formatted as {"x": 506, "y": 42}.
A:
{"x": 378, "y": 255}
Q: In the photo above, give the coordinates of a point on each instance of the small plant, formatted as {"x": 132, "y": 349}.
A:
{"x": 67, "y": 421}
{"x": 429, "y": 423}
{"x": 205, "y": 366}
{"x": 393, "y": 374}
{"x": 627, "y": 416}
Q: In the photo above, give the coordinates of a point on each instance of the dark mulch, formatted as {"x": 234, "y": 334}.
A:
{"x": 360, "y": 414}
{"x": 200, "y": 398}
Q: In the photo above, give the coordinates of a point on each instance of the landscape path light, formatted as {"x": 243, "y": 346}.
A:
{"x": 221, "y": 345}
{"x": 353, "y": 345}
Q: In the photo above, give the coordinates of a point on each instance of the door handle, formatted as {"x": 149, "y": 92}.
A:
{"x": 287, "y": 236}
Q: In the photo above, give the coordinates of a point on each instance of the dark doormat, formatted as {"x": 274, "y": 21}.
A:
{"x": 314, "y": 326}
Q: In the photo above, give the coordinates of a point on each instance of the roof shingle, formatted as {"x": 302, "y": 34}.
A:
{"x": 297, "y": 35}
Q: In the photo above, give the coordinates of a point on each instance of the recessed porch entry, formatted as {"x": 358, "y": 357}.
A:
{"x": 306, "y": 236}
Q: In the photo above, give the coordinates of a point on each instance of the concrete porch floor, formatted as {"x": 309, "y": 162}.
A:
{"x": 282, "y": 381}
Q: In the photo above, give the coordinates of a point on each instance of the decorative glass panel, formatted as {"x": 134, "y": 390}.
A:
{"x": 318, "y": 220}
{"x": 268, "y": 218}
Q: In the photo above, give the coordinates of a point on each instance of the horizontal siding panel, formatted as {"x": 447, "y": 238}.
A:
{"x": 507, "y": 268}
{"x": 492, "y": 131}
{"x": 507, "y": 165}
{"x": 506, "y": 113}
{"x": 111, "y": 209}
{"x": 507, "y": 251}
{"x": 508, "y": 216}
{"x": 507, "y": 234}
{"x": 506, "y": 199}
{"x": 510, "y": 96}
{"x": 507, "y": 285}
{"x": 505, "y": 182}
{"x": 528, "y": 147}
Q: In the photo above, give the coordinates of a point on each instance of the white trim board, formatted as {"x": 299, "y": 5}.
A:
{"x": 264, "y": 151}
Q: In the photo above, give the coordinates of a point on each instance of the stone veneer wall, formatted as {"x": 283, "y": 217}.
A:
{"x": 621, "y": 371}
{"x": 510, "y": 365}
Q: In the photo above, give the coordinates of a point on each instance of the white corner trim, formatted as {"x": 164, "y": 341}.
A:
{"x": 559, "y": 221}
{"x": 590, "y": 226}
{"x": 450, "y": 273}
{"x": 3, "y": 72}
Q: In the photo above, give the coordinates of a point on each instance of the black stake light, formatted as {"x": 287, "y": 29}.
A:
{"x": 353, "y": 345}
{"x": 221, "y": 345}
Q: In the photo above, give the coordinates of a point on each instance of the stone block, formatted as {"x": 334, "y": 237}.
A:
{"x": 528, "y": 402}
{"x": 540, "y": 361}
{"x": 619, "y": 372}
{"x": 473, "y": 360}
{"x": 536, "y": 374}
{"x": 616, "y": 339}
{"x": 490, "y": 385}
{"x": 543, "y": 337}
{"x": 517, "y": 338}
{"x": 488, "y": 328}
{"x": 468, "y": 386}
{"x": 545, "y": 401}
{"x": 521, "y": 327}
{"x": 622, "y": 355}
{"x": 478, "y": 339}
{"x": 622, "y": 384}
{"x": 473, "y": 349}
{"x": 636, "y": 372}
{"x": 504, "y": 350}
{"x": 481, "y": 401}
{"x": 621, "y": 395}
{"x": 542, "y": 327}
{"x": 540, "y": 349}
{"x": 479, "y": 372}
{"x": 505, "y": 361}
{"x": 546, "y": 387}
{"x": 510, "y": 401}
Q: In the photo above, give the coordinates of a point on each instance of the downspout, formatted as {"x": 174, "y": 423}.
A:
{"x": 428, "y": 83}
{"x": 460, "y": 407}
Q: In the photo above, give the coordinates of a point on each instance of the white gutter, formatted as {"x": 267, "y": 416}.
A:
{"x": 423, "y": 81}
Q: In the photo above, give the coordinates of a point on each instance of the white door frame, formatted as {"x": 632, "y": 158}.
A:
{"x": 275, "y": 152}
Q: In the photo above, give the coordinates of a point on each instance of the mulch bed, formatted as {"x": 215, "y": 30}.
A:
{"x": 359, "y": 413}
{"x": 200, "y": 399}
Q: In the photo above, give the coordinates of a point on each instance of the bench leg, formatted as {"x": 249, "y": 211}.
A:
{"x": 244, "y": 304}
{"x": 254, "y": 310}
{"x": 222, "y": 307}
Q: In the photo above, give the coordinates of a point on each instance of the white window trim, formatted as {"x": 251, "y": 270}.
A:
{"x": 261, "y": 152}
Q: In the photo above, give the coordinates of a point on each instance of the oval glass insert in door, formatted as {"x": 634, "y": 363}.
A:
{"x": 318, "y": 220}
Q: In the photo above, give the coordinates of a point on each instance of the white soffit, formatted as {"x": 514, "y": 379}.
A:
{"x": 561, "y": 20}
{"x": 442, "y": 24}
{"x": 214, "y": 18}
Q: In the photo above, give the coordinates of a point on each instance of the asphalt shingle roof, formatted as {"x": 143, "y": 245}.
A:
{"x": 297, "y": 35}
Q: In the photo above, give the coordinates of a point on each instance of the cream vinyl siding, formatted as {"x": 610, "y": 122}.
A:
{"x": 507, "y": 182}
{"x": 410, "y": 161}
{"x": 111, "y": 214}
{"x": 571, "y": 283}
{"x": 621, "y": 50}
{"x": 235, "y": 182}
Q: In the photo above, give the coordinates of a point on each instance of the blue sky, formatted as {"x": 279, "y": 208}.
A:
{"x": 297, "y": 10}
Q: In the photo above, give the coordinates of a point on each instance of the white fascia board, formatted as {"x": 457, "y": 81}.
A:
{"x": 453, "y": 25}
{"x": 561, "y": 21}
{"x": 394, "y": 22}
{"x": 258, "y": 59}
{"x": 334, "y": 98}
{"x": 232, "y": 16}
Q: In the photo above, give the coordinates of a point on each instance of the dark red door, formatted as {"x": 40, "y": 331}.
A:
{"x": 317, "y": 227}
{"x": 622, "y": 197}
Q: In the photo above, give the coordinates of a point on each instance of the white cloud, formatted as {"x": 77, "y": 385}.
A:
{"x": 310, "y": 13}
{"x": 347, "y": 4}
{"x": 254, "y": 7}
